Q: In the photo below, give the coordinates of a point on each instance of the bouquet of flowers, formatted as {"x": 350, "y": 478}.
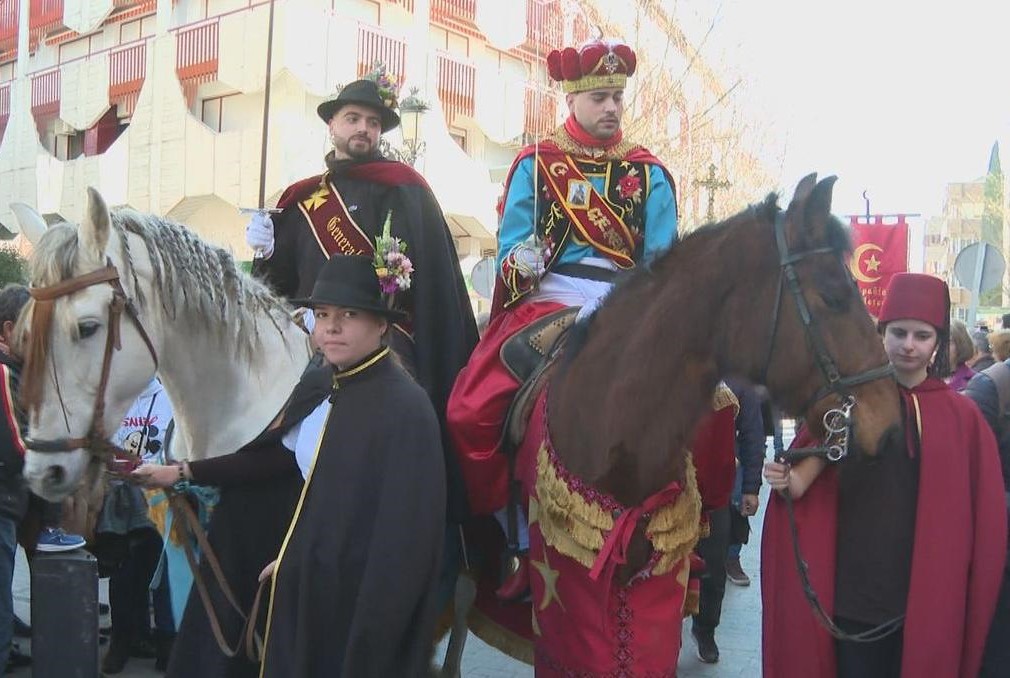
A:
{"x": 386, "y": 82}
{"x": 391, "y": 263}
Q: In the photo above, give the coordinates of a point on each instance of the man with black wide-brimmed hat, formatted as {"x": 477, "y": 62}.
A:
{"x": 343, "y": 211}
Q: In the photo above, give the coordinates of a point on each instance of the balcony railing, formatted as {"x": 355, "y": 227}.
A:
{"x": 127, "y": 70}
{"x": 456, "y": 84}
{"x": 376, "y": 46}
{"x": 196, "y": 56}
{"x": 9, "y": 22}
{"x": 46, "y": 93}
{"x": 5, "y": 107}
{"x": 540, "y": 112}
{"x": 406, "y": 4}
{"x": 44, "y": 16}
{"x": 544, "y": 24}
{"x": 454, "y": 10}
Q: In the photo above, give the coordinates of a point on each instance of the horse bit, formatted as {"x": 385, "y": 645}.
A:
{"x": 96, "y": 442}
{"x": 837, "y": 421}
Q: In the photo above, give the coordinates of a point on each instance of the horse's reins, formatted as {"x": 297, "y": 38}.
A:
{"x": 97, "y": 440}
{"x": 837, "y": 421}
{"x": 98, "y": 445}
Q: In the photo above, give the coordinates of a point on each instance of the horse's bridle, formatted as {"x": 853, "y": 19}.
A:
{"x": 837, "y": 420}
{"x": 96, "y": 442}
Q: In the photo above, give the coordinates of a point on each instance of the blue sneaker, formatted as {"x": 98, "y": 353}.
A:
{"x": 55, "y": 540}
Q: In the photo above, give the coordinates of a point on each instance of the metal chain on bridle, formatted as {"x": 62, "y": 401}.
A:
{"x": 837, "y": 420}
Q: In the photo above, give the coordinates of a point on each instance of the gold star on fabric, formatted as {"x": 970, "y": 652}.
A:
{"x": 550, "y": 577}
{"x": 873, "y": 263}
{"x": 317, "y": 198}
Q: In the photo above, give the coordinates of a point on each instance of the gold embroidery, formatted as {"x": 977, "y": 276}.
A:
{"x": 317, "y": 198}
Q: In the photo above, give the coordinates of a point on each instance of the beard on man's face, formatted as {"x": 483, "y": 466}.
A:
{"x": 358, "y": 146}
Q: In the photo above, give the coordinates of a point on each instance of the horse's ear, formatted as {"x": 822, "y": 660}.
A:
{"x": 30, "y": 222}
{"x": 818, "y": 209}
{"x": 797, "y": 232}
{"x": 95, "y": 228}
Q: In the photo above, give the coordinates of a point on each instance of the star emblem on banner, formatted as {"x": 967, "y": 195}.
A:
{"x": 865, "y": 264}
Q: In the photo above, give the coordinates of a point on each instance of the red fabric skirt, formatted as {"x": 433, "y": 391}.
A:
{"x": 478, "y": 404}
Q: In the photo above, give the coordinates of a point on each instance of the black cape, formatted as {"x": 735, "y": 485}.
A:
{"x": 258, "y": 499}
{"x": 355, "y": 586}
{"x": 444, "y": 331}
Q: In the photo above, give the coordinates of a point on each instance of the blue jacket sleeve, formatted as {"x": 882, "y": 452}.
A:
{"x": 660, "y": 214}
{"x": 518, "y": 215}
{"x": 982, "y": 390}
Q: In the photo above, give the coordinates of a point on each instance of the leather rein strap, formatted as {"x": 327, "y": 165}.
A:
{"x": 96, "y": 442}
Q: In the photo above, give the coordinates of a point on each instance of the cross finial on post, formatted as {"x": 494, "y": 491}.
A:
{"x": 712, "y": 184}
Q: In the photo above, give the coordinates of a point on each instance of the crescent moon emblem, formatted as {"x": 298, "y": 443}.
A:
{"x": 857, "y": 256}
{"x": 558, "y": 168}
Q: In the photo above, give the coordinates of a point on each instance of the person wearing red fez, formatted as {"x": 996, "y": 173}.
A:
{"x": 914, "y": 538}
{"x": 579, "y": 206}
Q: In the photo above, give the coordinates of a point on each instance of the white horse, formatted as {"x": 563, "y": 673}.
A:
{"x": 225, "y": 348}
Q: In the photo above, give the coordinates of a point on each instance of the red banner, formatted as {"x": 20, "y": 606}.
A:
{"x": 879, "y": 251}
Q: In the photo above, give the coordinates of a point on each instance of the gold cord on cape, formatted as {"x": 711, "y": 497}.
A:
{"x": 577, "y": 528}
{"x": 566, "y": 144}
{"x": 724, "y": 397}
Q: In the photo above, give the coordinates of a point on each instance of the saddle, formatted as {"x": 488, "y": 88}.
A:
{"x": 529, "y": 355}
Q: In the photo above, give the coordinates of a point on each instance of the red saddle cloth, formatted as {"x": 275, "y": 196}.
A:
{"x": 584, "y": 622}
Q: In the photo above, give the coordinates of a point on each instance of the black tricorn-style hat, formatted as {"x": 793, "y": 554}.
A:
{"x": 350, "y": 281}
{"x": 363, "y": 93}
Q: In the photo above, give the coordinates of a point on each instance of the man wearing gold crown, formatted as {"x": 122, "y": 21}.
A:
{"x": 579, "y": 207}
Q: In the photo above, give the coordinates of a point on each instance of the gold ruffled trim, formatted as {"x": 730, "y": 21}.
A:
{"x": 576, "y": 528}
{"x": 564, "y": 141}
{"x": 569, "y": 523}
{"x": 674, "y": 529}
{"x": 724, "y": 397}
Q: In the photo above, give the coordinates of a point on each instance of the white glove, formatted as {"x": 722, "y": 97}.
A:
{"x": 529, "y": 261}
{"x": 259, "y": 234}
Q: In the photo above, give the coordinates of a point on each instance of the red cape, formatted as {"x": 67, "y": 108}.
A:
{"x": 957, "y": 557}
{"x": 380, "y": 172}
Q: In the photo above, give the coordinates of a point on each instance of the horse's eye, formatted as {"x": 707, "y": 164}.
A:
{"x": 87, "y": 328}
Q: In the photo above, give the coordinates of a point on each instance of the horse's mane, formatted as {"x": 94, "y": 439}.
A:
{"x": 192, "y": 278}
{"x": 630, "y": 283}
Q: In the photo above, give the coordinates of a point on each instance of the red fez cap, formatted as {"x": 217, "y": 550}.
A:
{"x": 917, "y": 296}
{"x": 595, "y": 65}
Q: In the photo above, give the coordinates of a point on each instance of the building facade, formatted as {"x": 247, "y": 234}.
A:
{"x": 160, "y": 103}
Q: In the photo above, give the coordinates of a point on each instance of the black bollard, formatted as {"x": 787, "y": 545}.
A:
{"x": 65, "y": 615}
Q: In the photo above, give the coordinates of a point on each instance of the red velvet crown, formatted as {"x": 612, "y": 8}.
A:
{"x": 596, "y": 65}
{"x": 917, "y": 296}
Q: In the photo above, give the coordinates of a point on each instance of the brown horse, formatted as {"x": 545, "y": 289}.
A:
{"x": 765, "y": 295}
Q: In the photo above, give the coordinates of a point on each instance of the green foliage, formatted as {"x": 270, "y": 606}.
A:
{"x": 12, "y": 266}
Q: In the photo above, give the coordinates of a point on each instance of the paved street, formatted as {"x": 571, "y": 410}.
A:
{"x": 738, "y": 635}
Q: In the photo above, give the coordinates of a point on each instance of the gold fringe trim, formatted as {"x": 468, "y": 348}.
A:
{"x": 499, "y": 637}
{"x": 674, "y": 529}
{"x": 569, "y": 523}
{"x": 564, "y": 141}
{"x": 576, "y": 528}
{"x": 724, "y": 397}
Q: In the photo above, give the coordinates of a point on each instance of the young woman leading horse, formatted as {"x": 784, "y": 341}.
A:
{"x": 613, "y": 501}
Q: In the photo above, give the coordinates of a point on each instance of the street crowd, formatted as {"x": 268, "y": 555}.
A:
{"x": 391, "y": 443}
